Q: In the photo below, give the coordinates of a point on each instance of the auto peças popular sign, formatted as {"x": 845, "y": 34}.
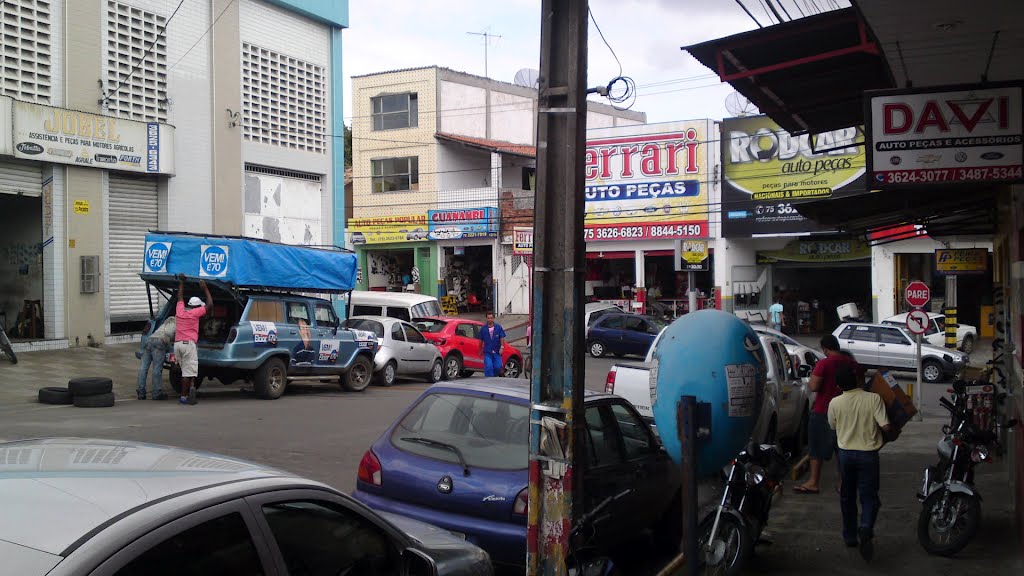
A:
{"x": 767, "y": 170}
{"x": 945, "y": 134}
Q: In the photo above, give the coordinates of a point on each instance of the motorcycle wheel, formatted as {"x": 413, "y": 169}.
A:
{"x": 728, "y": 553}
{"x": 948, "y": 522}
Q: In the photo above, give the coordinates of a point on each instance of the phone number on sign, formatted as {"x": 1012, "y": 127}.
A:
{"x": 643, "y": 231}
{"x": 954, "y": 174}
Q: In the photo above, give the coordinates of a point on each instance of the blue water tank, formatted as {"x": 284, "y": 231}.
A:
{"x": 717, "y": 358}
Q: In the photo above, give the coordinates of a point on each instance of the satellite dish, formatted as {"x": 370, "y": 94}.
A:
{"x": 527, "y": 77}
{"x": 738, "y": 105}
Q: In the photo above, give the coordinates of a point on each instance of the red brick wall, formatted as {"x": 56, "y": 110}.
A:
{"x": 516, "y": 210}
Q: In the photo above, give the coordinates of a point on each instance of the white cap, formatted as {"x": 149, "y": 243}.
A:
{"x": 195, "y": 302}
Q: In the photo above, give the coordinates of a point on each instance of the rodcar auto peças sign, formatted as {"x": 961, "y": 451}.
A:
{"x": 767, "y": 170}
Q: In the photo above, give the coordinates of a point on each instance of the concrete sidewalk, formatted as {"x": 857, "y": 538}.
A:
{"x": 19, "y": 383}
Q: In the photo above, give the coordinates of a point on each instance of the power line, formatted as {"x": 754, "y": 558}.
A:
{"x": 200, "y": 39}
{"x": 797, "y": 4}
{"x": 601, "y": 34}
{"x": 163, "y": 31}
{"x": 749, "y": 13}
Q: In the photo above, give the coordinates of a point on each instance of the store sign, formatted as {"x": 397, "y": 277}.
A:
{"x": 691, "y": 255}
{"x": 463, "y": 223}
{"x": 81, "y": 206}
{"x": 963, "y": 261}
{"x": 642, "y": 185}
{"x": 522, "y": 241}
{"x": 49, "y": 134}
{"x": 827, "y": 250}
{"x": 388, "y": 229}
{"x": 213, "y": 260}
{"x": 155, "y": 257}
{"x": 768, "y": 170}
{"x": 946, "y": 135}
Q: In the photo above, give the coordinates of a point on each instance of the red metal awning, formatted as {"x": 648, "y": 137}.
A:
{"x": 808, "y": 75}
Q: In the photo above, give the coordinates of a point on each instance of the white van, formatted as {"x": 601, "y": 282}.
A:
{"x": 401, "y": 305}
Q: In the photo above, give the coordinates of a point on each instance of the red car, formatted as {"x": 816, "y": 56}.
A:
{"x": 459, "y": 342}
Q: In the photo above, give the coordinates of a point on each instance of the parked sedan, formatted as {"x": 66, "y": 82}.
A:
{"x": 458, "y": 456}
{"x": 458, "y": 339}
{"x": 403, "y": 351}
{"x": 623, "y": 334}
{"x": 888, "y": 346}
{"x": 77, "y": 506}
{"x": 806, "y": 355}
{"x": 966, "y": 335}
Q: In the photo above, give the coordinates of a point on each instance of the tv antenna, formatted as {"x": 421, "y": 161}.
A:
{"x": 527, "y": 77}
{"x": 738, "y": 105}
{"x": 486, "y": 34}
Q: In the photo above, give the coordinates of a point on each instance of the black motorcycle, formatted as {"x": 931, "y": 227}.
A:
{"x": 951, "y": 509}
{"x": 728, "y": 535}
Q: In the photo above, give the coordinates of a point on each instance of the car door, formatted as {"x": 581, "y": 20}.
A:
{"x": 635, "y": 339}
{"x": 422, "y": 352}
{"x": 399, "y": 348}
{"x": 936, "y": 333}
{"x": 301, "y": 340}
{"x": 325, "y": 330}
{"x": 467, "y": 340}
{"x": 862, "y": 341}
{"x": 789, "y": 416}
{"x": 609, "y": 329}
{"x": 608, "y": 473}
{"x": 895, "y": 350}
{"x": 656, "y": 479}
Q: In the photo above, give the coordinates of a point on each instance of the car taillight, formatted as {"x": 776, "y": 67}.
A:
{"x": 609, "y": 383}
{"x": 522, "y": 502}
{"x": 369, "y": 469}
{"x": 232, "y": 335}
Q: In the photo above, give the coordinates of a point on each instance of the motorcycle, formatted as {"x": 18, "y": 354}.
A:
{"x": 728, "y": 535}
{"x": 951, "y": 506}
{"x": 584, "y": 558}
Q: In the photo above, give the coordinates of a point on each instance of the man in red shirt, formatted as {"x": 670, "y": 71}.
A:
{"x": 186, "y": 335}
{"x": 821, "y": 438}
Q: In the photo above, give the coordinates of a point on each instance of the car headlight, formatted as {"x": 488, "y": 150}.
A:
{"x": 754, "y": 475}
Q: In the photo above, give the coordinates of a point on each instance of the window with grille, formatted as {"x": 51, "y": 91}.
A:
{"x": 284, "y": 100}
{"x": 136, "y": 80}
{"x": 395, "y": 111}
{"x": 396, "y": 174}
{"x": 25, "y": 50}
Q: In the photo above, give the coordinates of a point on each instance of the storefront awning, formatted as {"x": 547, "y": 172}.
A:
{"x": 807, "y": 74}
{"x": 489, "y": 145}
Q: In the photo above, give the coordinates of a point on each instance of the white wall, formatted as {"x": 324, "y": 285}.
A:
{"x": 463, "y": 110}
{"x": 462, "y": 168}
{"x": 512, "y": 118}
{"x": 282, "y": 209}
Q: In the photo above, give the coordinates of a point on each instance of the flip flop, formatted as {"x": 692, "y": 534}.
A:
{"x": 804, "y": 490}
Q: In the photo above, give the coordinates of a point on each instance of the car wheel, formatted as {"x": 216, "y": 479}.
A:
{"x": 932, "y": 371}
{"x": 174, "y": 377}
{"x": 513, "y": 368}
{"x": 271, "y": 379}
{"x": 358, "y": 376}
{"x": 968, "y": 346}
{"x": 436, "y": 373}
{"x": 452, "y": 367}
{"x": 597, "y": 349}
{"x": 387, "y": 375}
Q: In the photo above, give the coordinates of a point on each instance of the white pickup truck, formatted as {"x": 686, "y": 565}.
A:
{"x": 787, "y": 402}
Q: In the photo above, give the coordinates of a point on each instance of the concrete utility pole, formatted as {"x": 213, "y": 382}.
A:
{"x": 557, "y": 385}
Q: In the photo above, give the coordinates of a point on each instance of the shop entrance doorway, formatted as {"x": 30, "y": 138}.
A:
{"x": 21, "y": 267}
{"x": 811, "y": 294}
{"x": 469, "y": 276}
{"x": 390, "y": 270}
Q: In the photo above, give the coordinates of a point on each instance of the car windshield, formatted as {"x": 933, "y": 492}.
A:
{"x": 429, "y": 308}
{"x": 368, "y": 325}
{"x": 489, "y": 433}
{"x": 429, "y": 325}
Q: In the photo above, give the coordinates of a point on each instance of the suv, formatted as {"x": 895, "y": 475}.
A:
{"x": 268, "y": 337}
{"x": 888, "y": 346}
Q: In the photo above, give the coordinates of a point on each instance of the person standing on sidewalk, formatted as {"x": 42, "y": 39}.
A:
{"x": 186, "y": 336}
{"x": 492, "y": 340}
{"x": 153, "y": 354}
{"x": 821, "y": 439}
{"x": 776, "y": 316}
{"x": 859, "y": 419}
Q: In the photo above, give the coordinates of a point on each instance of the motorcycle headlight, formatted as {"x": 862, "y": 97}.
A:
{"x": 754, "y": 475}
{"x": 979, "y": 454}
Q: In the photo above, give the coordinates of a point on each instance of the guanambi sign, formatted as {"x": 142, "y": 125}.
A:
{"x": 456, "y": 224}
{"x": 647, "y": 182}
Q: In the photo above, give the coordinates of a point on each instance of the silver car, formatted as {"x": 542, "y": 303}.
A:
{"x": 892, "y": 347}
{"x": 75, "y": 506}
{"x": 403, "y": 351}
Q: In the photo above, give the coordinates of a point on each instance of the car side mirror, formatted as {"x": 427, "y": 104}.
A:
{"x": 804, "y": 371}
{"x": 416, "y": 563}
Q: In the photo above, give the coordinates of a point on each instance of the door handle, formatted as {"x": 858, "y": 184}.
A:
{"x": 881, "y": 345}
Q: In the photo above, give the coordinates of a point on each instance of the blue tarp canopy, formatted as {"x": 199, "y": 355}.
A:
{"x": 248, "y": 263}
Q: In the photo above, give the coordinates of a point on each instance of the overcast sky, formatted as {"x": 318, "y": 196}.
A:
{"x": 646, "y": 35}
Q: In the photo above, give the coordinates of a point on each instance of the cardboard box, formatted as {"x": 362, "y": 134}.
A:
{"x": 898, "y": 405}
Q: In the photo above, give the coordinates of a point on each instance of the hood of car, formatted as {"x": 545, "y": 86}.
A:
{"x": 939, "y": 351}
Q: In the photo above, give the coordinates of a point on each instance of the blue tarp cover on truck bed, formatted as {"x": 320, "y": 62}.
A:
{"x": 248, "y": 263}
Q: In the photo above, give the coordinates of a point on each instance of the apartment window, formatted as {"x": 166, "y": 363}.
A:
{"x": 395, "y": 111}
{"x": 25, "y": 50}
{"x": 284, "y": 100}
{"x": 142, "y": 94}
{"x": 394, "y": 174}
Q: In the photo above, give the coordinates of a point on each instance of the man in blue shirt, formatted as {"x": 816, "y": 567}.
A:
{"x": 776, "y": 317}
{"x": 492, "y": 340}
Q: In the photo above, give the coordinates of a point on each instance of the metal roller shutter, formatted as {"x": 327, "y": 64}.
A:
{"x": 133, "y": 213}
{"x": 20, "y": 177}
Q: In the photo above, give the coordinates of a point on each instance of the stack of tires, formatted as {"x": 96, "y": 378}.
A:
{"x": 88, "y": 392}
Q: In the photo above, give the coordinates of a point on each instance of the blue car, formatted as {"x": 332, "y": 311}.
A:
{"x": 457, "y": 458}
{"x": 623, "y": 334}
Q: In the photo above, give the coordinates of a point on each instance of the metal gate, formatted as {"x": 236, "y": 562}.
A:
{"x": 22, "y": 178}
{"x": 133, "y": 212}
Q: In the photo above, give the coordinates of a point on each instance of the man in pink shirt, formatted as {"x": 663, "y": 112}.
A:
{"x": 186, "y": 335}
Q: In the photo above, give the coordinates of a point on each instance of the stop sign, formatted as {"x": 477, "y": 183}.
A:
{"x": 918, "y": 294}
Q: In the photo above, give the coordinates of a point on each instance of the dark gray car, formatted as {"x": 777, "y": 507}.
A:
{"x": 79, "y": 506}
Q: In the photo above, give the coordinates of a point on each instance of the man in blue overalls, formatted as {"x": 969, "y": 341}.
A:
{"x": 492, "y": 340}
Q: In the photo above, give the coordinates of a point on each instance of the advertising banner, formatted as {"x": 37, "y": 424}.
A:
{"x": 644, "y": 185}
{"x": 389, "y": 229}
{"x": 962, "y": 261}
{"x": 463, "y": 223}
{"x": 49, "y": 134}
{"x": 945, "y": 135}
{"x": 824, "y": 250}
{"x": 691, "y": 255}
{"x": 767, "y": 170}
{"x": 522, "y": 241}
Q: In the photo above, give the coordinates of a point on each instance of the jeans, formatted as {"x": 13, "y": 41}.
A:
{"x": 153, "y": 354}
{"x": 493, "y": 366}
{"x": 860, "y": 473}
{"x": 775, "y": 326}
